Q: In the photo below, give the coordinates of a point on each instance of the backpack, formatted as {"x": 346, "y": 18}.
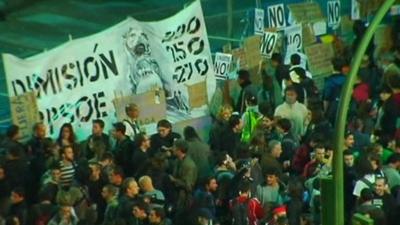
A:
{"x": 239, "y": 212}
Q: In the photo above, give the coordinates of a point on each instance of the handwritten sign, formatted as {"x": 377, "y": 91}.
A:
{"x": 276, "y": 16}
{"x": 24, "y": 113}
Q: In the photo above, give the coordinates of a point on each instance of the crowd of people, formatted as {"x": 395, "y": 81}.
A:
{"x": 262, "y": 163}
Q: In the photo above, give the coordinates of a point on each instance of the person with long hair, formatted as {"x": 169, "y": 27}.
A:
{"x": 66, "y": 137}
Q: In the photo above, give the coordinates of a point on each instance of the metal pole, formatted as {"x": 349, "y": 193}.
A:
{"x": 343, "y": 109}
{"x": 229, "y": 22}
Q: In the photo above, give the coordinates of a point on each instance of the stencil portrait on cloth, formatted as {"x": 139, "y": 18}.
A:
{"x": 145, "y": 73}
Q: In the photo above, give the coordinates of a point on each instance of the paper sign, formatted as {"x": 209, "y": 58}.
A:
{"x": 197, "y": 94}
{"x": 268, "y": 43}
{"x": 276, "y": 16}
{"x": 306, "y": 12}
{"x": 395, "y": 10}
{"x": 355, "y": 10}
{"x": 294, "y": 38}
{"x": 319, "y": 28}
{"x": 152, "y": 106}
{"x": 222, "y": 65}
{"x": 259, "y": 21}
{"x": 333, "y": 14}
{"x": 319, "y": 58}
{"x": 24, "y": 113}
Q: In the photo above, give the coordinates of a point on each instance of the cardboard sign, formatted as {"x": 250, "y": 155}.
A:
{"x": 222, "y": 65}
{"x": 24, "y": 113}
{"x": 152, "y": 106}
{"x": 319, "y": 58}
{"x": 276, "y": 16}
{"x": 268, "y": 43}
{"x": 333, "y": 14}
{"x": 252, "y": 51}
{"x": 306, "y": 12}
{"x": 308, "y": 35}
{"x": 197, "y": 94}
{"x": 259, "y": 21}
{"x": 294, "y": 38}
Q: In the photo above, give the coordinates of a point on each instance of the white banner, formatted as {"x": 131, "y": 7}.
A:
{"x": 259, "y": 21}
{"x": 294, "y": 38}
{"x": 77, "y": 81}
{"x": 222, "y": 65}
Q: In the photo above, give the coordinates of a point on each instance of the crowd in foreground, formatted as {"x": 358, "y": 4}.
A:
{"x": 262, "y": 163}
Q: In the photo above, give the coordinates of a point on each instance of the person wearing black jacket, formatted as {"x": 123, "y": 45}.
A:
{"x": 123, "y": 149}
{"x": 164, "y": 138}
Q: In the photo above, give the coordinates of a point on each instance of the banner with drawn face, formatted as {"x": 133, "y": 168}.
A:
{"x": 77, "y": 81}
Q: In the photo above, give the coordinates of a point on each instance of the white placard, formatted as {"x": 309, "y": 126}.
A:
{"x": 222, "y": 65}
{"x": 259, "y": 21}
{"x": 268, "y": 43}
{"x": 334, "y": 14}
{"x": 294, "y": 38}
{"x": 355, "y": 10}
{"x": 319, "y": 28}
{"x": 276, "y": 16}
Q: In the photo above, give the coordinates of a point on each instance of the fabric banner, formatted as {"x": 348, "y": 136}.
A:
{"x": 76, "y": 81}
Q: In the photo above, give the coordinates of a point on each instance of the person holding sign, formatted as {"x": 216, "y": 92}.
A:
{"x": 131, "y": 122}
{"x": 247, "y": 88}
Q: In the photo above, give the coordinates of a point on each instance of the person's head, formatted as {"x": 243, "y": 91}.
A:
{"x": 211, "y": 184}
{"x": 130, "y": 187}
{"x": 274, "y": 148}
{"x": 225, "y": 112}
{"x": 116, "y": 176}
{"x": 235, "y": 123}
{"x": 203, "y": 216}
{"x": 243, "y": 77}
{"x": 338, "y": 63}
{"x": 290, "y": 95}
{"x": 386, "y": 59}
{"x": 146, "y": 184}
{"x": 250, "y": 99}
{"x": 319, "y": 153}
{"x": 385, "y": 93}
{"x": 17, "y": 195}
{"x": 271, "y": 176}
{"x": 140, "y": 209}
{"x": 2, "y": 173}
{"x": 180, "y": 148}
{"x": 55, "y": 172}
{"x": 132, "y": 111}
{"x": 95, "y": 170}
{"x": 65, "y": 211}
{"x": 39, "y": 130}
{"x": 348, "y": 139}
{"x": 13, "y": 132}
{"x": 106, "y": 159}
{"x": 164, "y": 128}
{"x": 348, "y": 158}
{"x": 142, "y": 141}
{"x": 283, "y": 125}
{"x": 380, "y": 186}
{"x": 394, "y": 160}
{"x": 156, "y": 215}
{"x": 109, "y": 192}
{"x": 366, "y": 195}
{"x": 189, "y": 133}
{"x": 276, "y": 59}
{"x": 295, "y": 59}
{"x": 67, "y": 133}
{"x": 375, "y": 160}
{"x": 97, "y": 127}
{"x": 244, "y": 188}
{"x": 118, "y": 131}
{"x": 67, "y": 153}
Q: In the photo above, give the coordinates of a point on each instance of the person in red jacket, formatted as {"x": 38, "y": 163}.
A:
{"x": 245, "y": 209}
